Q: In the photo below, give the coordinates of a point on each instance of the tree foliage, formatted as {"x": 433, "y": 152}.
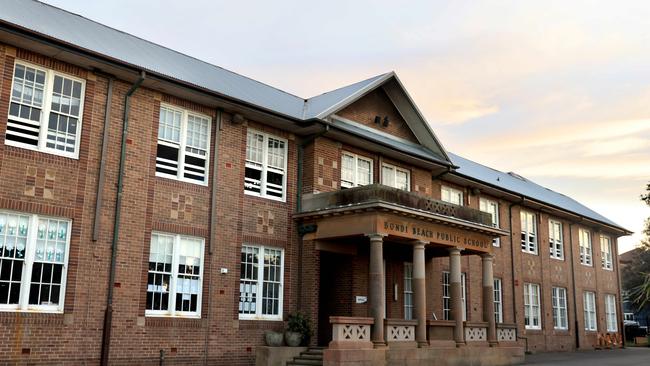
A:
{"x": 636, "y": 275}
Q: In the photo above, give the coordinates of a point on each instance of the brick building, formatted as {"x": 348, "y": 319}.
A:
{"x": 152, "y": 205}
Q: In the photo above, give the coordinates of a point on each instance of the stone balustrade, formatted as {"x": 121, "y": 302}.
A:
{"x": 506, "y": 332}
{"x": 476, "y": 331}
{"x": 400, "y": 330}
{"x": 351, "y": 332}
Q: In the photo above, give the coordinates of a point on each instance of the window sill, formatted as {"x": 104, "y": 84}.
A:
{"x": 586, "y": 265}
{"x": 527, "y": 252}
{"x": 558, "y": 258}
{"x": 170, "y": 316}
{"x": 54, "y": 152}
{"x": 260, "y": 318}
{"x": 272, "y": 198}
{"x": 180, "y": 180}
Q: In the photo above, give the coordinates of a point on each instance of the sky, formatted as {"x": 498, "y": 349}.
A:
{"x": 556, "y": 91}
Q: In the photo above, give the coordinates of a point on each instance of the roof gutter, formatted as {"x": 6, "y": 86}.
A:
{"x": 108, "y": 315}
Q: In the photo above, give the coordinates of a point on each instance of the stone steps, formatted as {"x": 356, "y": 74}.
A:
{"x": 312, "y": 357}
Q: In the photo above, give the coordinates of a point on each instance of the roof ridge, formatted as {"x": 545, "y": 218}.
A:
{"x": 348, "y": 85}
{"x": 167, "y": 48}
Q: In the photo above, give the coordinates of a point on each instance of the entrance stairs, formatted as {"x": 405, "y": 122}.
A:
{"x": 313, "y": 356}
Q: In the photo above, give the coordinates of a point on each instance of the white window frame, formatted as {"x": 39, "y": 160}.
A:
{"x": 528, "y": 233}
{"x": 491, "y": 207}
{"x": 447, "y": 193}
{"x": 556, "y": 239}
{"x": 446, "y": 295}
{"x": 28, "y": 263}
{"x": 408, "y": 291}
{"x": 532, "y": 309}
{"x": 182, "y": 146}
{"x": 45, "y": 112}
{"x": 606, "y": 253}
{"x": 172, "y": 312}
{"x": 498, "y": 300}
{"x": 610, "y": 313}
{"x": 560, "y": 313}
{"x": 586, "y": 248}
{"x": 260, "y": 287}
{"x": 265, "y": 166}
{"x": 394, "y": 170}
{"x": 589, "y": 306}
{"x": 355, "y": 182}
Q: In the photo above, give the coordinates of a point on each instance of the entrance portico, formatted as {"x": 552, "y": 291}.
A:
{"x": 412, "y": 228}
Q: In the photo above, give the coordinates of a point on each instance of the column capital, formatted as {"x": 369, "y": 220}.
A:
{"x": 487, "y": 256}
{"x": 455, "y": 250}
{"x": 419, "y": 243}
{"x": 376, "y": 236}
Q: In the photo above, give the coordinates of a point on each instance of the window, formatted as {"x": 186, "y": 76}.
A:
{"x": 531, "y": 306}
{"x": 555, "y": 242}
{"x": 266, "y": 166}
{"x": 498, "y": 301}
{"x": 559, "y": 308}
{"x": 260, "y": 284}
{"x": 446, "y": 296}
{"x": 33, "y": 262}
{"x": 395, "y": 177}
{"x": 528, "y": 232}
{"x": 589, "y": 303}
{"x": 610, "y": 313}
{"x": 451, "y": 195}
{"x": 45, "y": 111}
{"x": 408, "y": 291}
{"x": 183, "y": 145}
{"x": 606, "y": 252}
{"x": 355, "y": 170}
{"x": 628, "y": 317}
{"x": 175, "y": 278}
{"x": 491, "y": 207}
{"x": 584, "y": 238}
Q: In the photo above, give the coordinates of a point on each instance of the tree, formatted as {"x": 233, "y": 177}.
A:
{"x": 637, "y": 274}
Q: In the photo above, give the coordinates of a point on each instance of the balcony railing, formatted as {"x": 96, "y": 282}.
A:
{"x": 375, "y": 193}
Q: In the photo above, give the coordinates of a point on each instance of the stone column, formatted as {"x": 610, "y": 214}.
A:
{"x": 376, "y": 293}
{"x": 488, "y": 298}
{"x": 419, "y": 293}
{"x": 456, "y": 296}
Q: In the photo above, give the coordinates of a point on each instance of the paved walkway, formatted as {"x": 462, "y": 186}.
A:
{"x": 631, "y": 356}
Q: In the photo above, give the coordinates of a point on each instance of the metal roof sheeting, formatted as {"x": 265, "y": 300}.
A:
{"x": 526, "y": 188}
{"x": 123, "y": 47}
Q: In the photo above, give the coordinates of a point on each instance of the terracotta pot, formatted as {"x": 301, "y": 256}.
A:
{"x": 273, "y": 339}
{"x": 293, "y": 339}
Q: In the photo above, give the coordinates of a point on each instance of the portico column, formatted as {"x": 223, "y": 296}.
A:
{"x": 488, "y": 298}
{"x": 456, "y": 296}
{"x": 419, "y": 295}
{"x": 376, "y": 287}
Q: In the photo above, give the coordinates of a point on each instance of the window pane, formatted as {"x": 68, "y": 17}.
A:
{"x": 248, "y": 280}
{"x": 169, "y": 126}
{"x": 363, "y": 172}
{"x": 13, "y": 240}
{"x": 197, "y": 134}
{"x": 160, "y": 268}
{"x": 272, "y": 275}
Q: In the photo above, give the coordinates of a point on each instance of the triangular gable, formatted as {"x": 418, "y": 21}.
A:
{"x": 329, "y": 104}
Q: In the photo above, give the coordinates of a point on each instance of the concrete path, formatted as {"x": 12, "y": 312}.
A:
{"x": 619, "y": 357}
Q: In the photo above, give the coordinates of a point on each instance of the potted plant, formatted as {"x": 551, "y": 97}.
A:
{"x": 273, "y": 339}
{"x": 299, "y": 330}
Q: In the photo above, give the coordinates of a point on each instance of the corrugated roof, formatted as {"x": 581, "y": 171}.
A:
{"x": 318, "y": 106}
{"x": 100, "y": 39}
{"x": 525, "y": 187}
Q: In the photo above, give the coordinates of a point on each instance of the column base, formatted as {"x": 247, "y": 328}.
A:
{"x": 423, "y": 344}
{"x": 493, "y": 343}
{"x": 379, "y": 345}
{"x": 460, "y": 344}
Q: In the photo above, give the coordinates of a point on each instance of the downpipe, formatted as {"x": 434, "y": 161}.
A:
{"x": 108, "y": 315}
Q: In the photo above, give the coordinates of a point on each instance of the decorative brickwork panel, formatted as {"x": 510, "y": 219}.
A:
{"x": 400, "y": 333}
{"x": 507, "y": 334}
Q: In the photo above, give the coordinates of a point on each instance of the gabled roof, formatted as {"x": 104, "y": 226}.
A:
{"x": 518, "y": 185}
{"x": 119, "y": 47}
